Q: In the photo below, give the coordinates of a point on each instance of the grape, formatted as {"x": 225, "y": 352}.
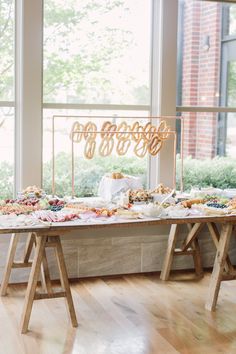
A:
{"x": 216, "y": 205}
{"x": 55, "y": 207}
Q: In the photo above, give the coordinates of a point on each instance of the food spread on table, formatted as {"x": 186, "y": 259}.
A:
{"x": 34, "y": 207}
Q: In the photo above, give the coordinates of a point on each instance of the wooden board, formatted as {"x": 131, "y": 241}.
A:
{"x": 71, "y": 226}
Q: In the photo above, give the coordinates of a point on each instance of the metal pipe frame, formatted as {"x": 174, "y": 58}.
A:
{"x": 173, "y": 133}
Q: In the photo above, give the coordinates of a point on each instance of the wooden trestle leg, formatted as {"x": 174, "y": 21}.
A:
{"x": 190, "y": 247}
{"x": 39, "y": 243}
{"x": 64, "y": 280}
{"x": 229, "y": 268}
{"x": 169, "y": 252}
{"x": 43, "y": 241}
{"x": 25, "y": 263}
{"x": 9, "y": 263}
{"x": 219, "y": 265}
{"x": 32, "y": 284}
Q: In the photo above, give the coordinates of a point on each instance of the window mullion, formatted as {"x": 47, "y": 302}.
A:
{"x": 29, "y": 43}
{"x": 164, "y": 59}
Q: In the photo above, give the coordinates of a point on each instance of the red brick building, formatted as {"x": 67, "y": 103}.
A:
{"x": 201, "y": 70}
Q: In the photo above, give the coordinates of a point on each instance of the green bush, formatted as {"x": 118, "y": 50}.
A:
{"x": 219, "y": 172}
{"x": 88, "y": 173}
{"x": 6, "y": 180}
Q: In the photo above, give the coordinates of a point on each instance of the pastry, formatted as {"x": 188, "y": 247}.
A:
{"x": 141, "y": 148}
{"x": 161, "y": 189}
{"x": 90, "y": 130}
{"x": 108, "y": 129}
{"x": 89, "y": 148}
{"x": 76, "y": 134}
{"x": 117, "y": 175}
{"x": 163, "y": 130}
{"x": 123, "y": 146}
{"x": 190, "y": 202}
{"x": 148, "y": 131}
{"x": 137, "y": 131}
{"x": 154, "y": 145}
{"x": 139, "y": 195}
{"x": 106, "y": 146}
{"x": 123, "y": 127}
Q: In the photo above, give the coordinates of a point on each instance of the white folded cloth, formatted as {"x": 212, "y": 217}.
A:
{"x": 110, "y": 188}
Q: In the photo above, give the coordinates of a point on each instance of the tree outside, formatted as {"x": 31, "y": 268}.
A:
{"x": 97, "y": 52}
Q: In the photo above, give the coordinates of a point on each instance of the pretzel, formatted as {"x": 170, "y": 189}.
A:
{"x": 155, "y": 145}
{"x": 104, "y": 128}
{"x": 106, "y": 146}
{"x": 90, "y": 129}
{"x": 135, "y": 126}
{"x": 123, "y": 127}
{"x": 163, "y": 130}
{"x": 89, "y": 148}
{"x": 146, "y": 130}
{"x": 123, "y": 146}
{"x": 140, "y": 148}
{"x": 76, "y": 133}
{"x": 137, "y": 131}
{"x": 112, "y": 130}
{"x": 108, "y": 129}
{"x": 149, "y": 130}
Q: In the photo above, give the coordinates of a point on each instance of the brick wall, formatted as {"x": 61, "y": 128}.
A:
{"x": 201, "y": 69}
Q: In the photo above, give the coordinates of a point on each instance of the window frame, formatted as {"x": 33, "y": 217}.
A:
{"x": 12, "y": 103}
{"x": 222, "y": 110}
{"x": 29, "y": 99}
{"x": 210, "y": 109}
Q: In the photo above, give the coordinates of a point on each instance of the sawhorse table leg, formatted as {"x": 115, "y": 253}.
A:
{"x": 190, "y": 247}
{"x": 9, "y": 263}
{"x": 25, "y": 263}
{"x": 219, "y": 265}
{"x": 39, "y": 264}
{"x": 43, "y": 241}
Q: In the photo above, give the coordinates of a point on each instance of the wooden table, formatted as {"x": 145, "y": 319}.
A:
{"x": 49, "y": 236}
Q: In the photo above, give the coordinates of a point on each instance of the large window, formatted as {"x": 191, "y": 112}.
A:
{"x": 206, "y": 91}
{"x": 7, "y": 23}
{"x": 109, "y": 58}
{"x": 96, "y": 63}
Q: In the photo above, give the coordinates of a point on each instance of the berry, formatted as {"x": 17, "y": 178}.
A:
{"x": 216, "y": 205}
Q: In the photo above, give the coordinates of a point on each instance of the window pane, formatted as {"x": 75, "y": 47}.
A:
{"x": 231, "y": 89}
{"x": 199, "y": 53}
{"x": 232, "y": 20}
{"x": 97, "y": 51}
{"x": 7, "y": 50}
{"x": 231, "y": 135}
{"x": 6, "y": 152}
{"x": 88, "y": 173}
{"x": 7, "y": 30}
{"x": 209, "y": 150}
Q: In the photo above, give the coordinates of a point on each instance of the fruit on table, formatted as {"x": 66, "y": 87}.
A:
{"x": 216, "y": 205}
{"x": 56, "y": 204}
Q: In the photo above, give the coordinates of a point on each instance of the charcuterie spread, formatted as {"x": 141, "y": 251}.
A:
{"x": 33, "y": 206}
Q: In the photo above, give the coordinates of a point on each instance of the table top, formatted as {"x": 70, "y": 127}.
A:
{"x": 110, "y": 222}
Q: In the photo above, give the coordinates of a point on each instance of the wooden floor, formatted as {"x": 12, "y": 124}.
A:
{"x": 126, "y": 315}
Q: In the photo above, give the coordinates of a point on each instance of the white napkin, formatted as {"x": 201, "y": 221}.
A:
{"x": 110, "y": 188}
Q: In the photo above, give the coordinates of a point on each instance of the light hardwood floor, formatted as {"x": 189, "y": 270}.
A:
{"x": 134, "y": 314}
